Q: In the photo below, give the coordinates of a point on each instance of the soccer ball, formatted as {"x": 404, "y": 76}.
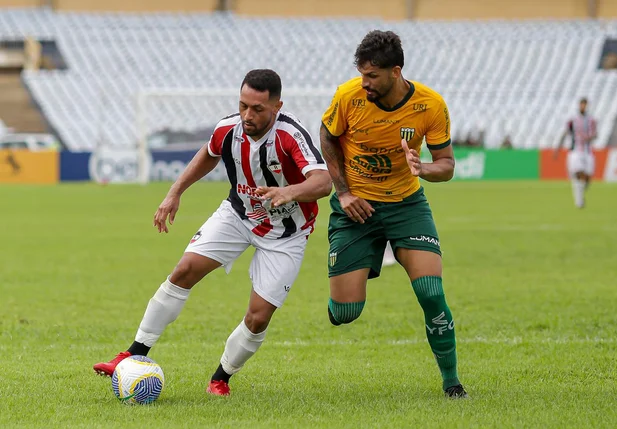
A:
{"x": 137, "y": 380}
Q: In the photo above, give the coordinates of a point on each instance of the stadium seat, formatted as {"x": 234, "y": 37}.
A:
{"x": 517, "y": 78}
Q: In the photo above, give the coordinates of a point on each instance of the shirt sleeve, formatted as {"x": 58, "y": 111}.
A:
{"x": 438, "y": 134}
{"x": 299, "y": 145}
{"x": 334, "y": 118}
{"x": 215, "y": 145}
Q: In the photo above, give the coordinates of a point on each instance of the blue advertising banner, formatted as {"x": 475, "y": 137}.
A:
{"x": 120, "y": 166}
{"x": 74, "y": 166}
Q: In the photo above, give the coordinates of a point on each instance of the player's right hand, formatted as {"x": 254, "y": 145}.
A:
{"x": 169, "y": 207}
{"x": 356, "y": 208}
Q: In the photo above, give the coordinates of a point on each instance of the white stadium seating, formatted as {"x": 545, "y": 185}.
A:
{"x": 517, "y": 78}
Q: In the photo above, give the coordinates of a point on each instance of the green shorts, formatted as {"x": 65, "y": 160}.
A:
{"x": 407, "y": 224}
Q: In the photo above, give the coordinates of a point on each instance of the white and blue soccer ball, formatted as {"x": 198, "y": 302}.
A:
{"x": 138, "y": 380}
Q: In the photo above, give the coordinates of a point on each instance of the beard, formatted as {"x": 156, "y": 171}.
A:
{"x": 252, "y": 130}
{"x": 377, "y": 94}
{"x": 373, "y": 96}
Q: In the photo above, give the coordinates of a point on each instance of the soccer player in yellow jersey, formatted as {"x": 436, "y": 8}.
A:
{"x": 370, "y": 138}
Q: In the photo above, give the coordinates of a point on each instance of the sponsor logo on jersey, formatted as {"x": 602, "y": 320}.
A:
{"x": 358, "y": 102}
{"x": 360, "y": 130}
{"x": 258, "y": 214}
{"x": 419, "y": 107}
{"x": 375, "y": 167}
{"x": 301, "y": 143}
{"x": 284, "y": 211}
{"x": 407, "y": 133}
{"x": 333, "y": 114}
{"x": 381, "y": 150}
{"x": 247, "y": 190}
{"x": 238, "y": 139}
{"x": 386, "y": 121}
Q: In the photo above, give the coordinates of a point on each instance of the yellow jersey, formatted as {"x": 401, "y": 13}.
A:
{"x": 370, "y": 136}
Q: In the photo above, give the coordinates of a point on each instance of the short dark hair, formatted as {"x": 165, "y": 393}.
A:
{"x": 264, "y": 80}
{"x": 583, "y": 100}
{"x": 380, "y": 48}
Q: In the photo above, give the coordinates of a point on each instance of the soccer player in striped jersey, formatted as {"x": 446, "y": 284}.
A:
{"x": 581, "y": 163}
{"x": 276, "y": 176}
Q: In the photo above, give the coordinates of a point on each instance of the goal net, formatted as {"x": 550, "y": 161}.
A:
{"x": 172, "y": 124}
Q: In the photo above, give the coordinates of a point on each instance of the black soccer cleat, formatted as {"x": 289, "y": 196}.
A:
{"x": 332, "y": 319}
{"x": 456, "y": 392}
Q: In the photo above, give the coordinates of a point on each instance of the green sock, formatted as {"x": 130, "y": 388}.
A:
{"x": 439, "y": 326}
{"x": 345, "y": 312}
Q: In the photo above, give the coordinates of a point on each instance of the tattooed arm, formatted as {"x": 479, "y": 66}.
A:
{"x": 335, "y": 160}
{"x": 355, "y": 207}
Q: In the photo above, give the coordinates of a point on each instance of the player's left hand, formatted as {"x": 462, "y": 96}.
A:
{"x": 278, "y": 195}
{"x": 413, "y": 159}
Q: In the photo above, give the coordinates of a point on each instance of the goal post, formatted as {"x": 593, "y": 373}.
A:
{"x": 171, "y": 119}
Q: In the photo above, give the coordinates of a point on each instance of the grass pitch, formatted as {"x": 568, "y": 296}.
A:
{"x": 529, "y": 278}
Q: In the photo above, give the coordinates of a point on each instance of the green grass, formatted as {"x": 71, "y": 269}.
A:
{"x": 530, "y": 280}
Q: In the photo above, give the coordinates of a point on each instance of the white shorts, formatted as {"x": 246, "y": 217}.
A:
{"x": 274, "y": 266}
{"x": 581, "y": 162}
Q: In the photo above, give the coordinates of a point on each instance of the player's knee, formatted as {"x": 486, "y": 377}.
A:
{"x": 184, "y": 274}
{"x": 344, "y": 312}
{"x": 191, "y": 269}
{"x": 257, "y": 321}
{"x": 429, "y": 291}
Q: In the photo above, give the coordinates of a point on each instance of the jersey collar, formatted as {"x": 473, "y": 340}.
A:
{"x": 401, "y": 103}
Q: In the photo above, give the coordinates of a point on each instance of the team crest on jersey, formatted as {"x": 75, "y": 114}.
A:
{"x": 275, "y": 167}
{"x": 407, "y": 133}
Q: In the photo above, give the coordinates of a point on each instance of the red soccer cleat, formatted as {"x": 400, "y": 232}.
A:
{"x": 218, "y": 388}
{"x": 107, "y": 368}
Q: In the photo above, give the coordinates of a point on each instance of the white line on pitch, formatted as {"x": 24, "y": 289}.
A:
{"x": 474, "y": 340}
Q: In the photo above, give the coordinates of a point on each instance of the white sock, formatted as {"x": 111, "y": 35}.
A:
{"x": 240, "y": 346}
{"x": 163, "y": 308}
{"x": 578, "y": 190}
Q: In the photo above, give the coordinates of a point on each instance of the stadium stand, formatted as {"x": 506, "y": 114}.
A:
{"x": 520, "y": 79}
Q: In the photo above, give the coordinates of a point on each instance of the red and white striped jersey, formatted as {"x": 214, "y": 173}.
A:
{"x": 581, "y": 128}
{"x": 282, "y": 157}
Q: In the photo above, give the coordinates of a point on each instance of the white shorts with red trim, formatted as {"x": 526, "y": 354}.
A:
{"x": 581, "y": 162}
{"x": 275, "y": 264}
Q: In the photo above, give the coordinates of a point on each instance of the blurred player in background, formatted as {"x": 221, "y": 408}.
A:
{"x": 581, "y": 163}
{"x": 276, "y": 176}
{"x": 370, "y": 137}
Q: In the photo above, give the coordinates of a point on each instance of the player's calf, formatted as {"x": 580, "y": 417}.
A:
{"x": 439, "y": 326}
{"x": 344, "y": 312}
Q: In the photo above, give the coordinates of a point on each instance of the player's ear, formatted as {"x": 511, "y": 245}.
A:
{"x": 396, "y": 72}
{"x": 278, "y": 105}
